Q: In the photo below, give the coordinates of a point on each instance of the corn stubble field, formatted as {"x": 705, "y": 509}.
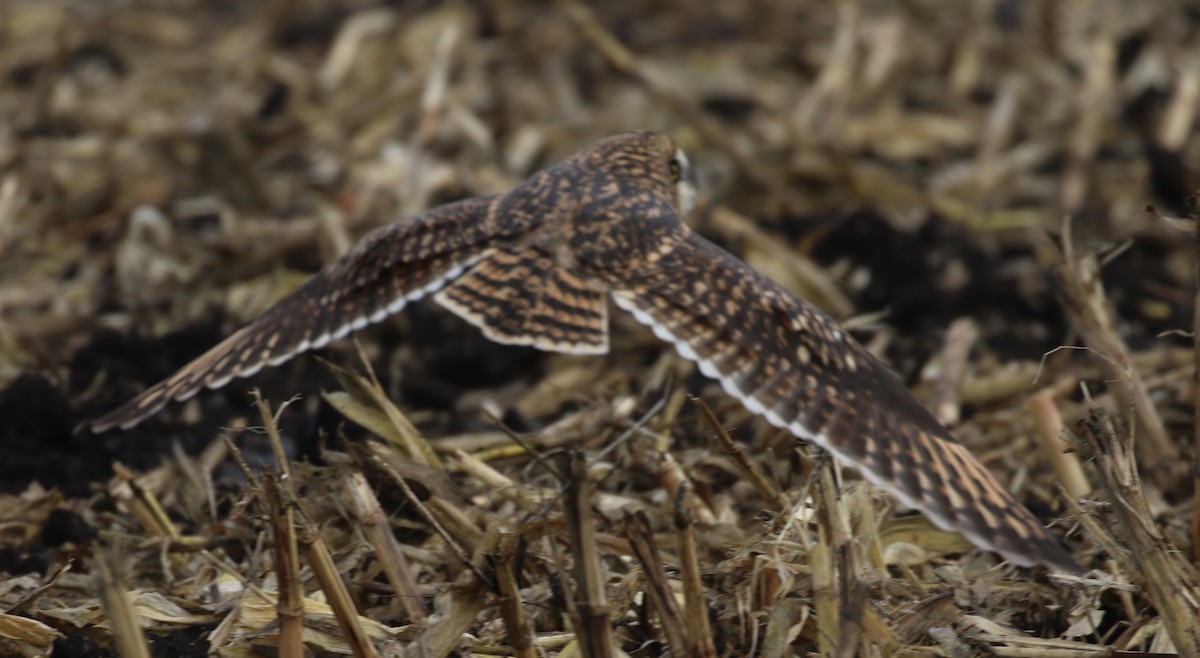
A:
{"x": 997, "y": 196}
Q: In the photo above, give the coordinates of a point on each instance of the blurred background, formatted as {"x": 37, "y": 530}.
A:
{"x": 170, "y": 168}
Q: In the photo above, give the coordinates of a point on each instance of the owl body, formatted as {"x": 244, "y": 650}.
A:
{"x": 603, "y": 210}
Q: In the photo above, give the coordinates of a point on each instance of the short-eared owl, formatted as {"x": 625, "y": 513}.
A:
{"x": 536, "y": 267}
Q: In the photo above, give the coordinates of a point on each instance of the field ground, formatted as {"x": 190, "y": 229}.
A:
{"x": 993, "y": 194}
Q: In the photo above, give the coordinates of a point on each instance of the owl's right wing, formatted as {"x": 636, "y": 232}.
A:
{"x": 787, "y": 361}
{"x": 390, "y": 267}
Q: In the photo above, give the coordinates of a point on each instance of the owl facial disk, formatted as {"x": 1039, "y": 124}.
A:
{"x": 685, "y": 182}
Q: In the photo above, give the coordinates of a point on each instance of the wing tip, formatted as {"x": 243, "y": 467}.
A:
{"x": 109, "y": 421}
{"x": 1059, "y": 560}
{"x": 1048, "y": 554}
{"x": 128, "y": 415}
{"x": 1041, "y": 549}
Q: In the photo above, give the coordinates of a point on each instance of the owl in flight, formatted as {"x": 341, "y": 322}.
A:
{"x": 536, "y": 267}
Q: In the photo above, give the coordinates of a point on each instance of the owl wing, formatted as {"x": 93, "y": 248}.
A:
{"x": 526, "y": 298}
{"x": 390, "y": 267}
{"x": 790, "y": 363}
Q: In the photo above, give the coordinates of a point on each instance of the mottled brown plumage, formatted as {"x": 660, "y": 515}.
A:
{"x": 527, "y": 299}
{"x": 533, "y": 267}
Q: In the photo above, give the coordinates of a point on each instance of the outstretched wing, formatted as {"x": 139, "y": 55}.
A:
{"x": 395, "y": 264}
{"x": 790, "y": 363}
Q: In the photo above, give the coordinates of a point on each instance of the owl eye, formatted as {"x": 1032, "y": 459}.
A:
{"x": 676, "y": 170}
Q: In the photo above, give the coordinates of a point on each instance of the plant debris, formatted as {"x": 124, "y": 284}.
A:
{"x": 997, "y": 196}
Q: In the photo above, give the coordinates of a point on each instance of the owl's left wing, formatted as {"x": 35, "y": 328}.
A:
{"x": 787, "y": 361}
{"x": 390, "y": 267}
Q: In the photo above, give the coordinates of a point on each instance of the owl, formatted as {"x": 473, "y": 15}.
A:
{"x": 538, "y": 265}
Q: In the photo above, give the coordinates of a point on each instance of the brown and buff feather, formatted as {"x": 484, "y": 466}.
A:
{"x": 791, "y": 364}
{"x": 532, "y": 267}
